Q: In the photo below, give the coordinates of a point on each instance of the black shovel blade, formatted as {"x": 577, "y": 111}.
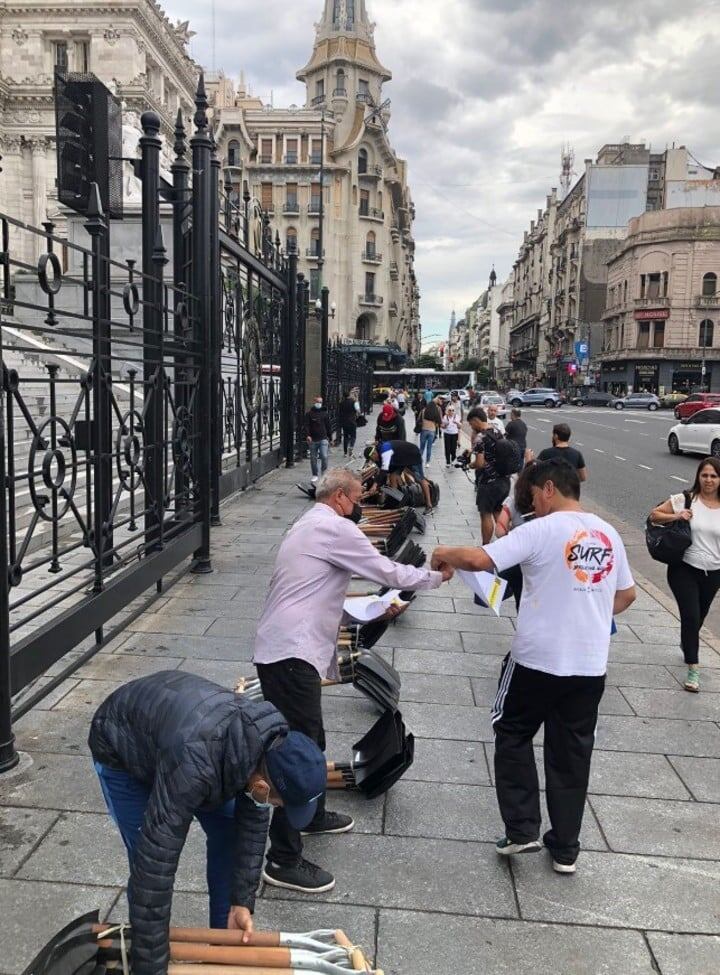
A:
{"x": 393, "y": 497}
{"x": 420, "y": 522}
{"x": 69, "y": 951}
{"x": 308, "y": 489}
{"x": 379, "y": 692}
{"x": 381, "y": 745}
{"x": 370, "y": 633}
{"x": 377, "y": 785}
{"x": 375, "y": 668}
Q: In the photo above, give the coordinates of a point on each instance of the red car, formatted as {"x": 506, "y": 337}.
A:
{"x": 698, "y": 401}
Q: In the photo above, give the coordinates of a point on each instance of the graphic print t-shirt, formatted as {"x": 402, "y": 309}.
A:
{"x": 573, "y": 563}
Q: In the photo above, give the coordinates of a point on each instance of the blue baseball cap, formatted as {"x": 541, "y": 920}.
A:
{"x": 298, "y": 772}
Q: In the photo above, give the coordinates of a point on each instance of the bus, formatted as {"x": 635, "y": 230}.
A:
{"x": 419, "y": 379}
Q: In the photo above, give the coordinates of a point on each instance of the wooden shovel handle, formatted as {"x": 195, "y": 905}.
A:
{"x": 195, "y": 969}
{"x": 222, "y": 936}
{"x": 227, "y": 955}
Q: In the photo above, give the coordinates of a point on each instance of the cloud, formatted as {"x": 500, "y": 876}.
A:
{"x": 485, "y": 92}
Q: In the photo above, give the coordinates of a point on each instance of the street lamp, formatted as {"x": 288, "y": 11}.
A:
{"x": 704, "y": 325}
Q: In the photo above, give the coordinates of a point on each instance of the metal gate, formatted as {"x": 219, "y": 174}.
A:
{"x": 132, "y": 403}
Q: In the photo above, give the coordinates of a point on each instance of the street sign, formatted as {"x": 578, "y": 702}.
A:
{"x": 581, "y": 350}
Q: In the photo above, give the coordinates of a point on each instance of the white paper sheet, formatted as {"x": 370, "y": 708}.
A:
{"x": 364, "y": 609}
{"x": 489, "y": 587}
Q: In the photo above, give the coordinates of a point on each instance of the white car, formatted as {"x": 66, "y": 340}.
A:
{"x": 462, "y": 395}
{"x": 494, "y": 399}
{"x": 699, "y": 434}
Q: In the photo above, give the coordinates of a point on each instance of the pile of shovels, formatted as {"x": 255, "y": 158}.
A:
{"x": 379, "y": 759}
{"x": 86, "y": 947}
{"x": 389, "y": 530}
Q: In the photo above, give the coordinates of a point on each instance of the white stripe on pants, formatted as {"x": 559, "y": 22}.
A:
{"x": 503, "y": 688}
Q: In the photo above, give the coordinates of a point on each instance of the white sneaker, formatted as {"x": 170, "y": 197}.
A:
{"x": 564, "y": 867}
{"x": 314, "y": 480}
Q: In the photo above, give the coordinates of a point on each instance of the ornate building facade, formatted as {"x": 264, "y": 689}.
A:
{"x": 131, "y": 46}
{"x": 353, "y": 232}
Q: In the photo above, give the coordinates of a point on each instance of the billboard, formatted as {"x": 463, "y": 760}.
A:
{"x": 616, "y": 194}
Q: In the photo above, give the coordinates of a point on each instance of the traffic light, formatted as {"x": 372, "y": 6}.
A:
{"x": 89, "y": 142}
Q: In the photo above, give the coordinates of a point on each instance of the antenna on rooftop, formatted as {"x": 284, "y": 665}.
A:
{"x": 567, "y": 161}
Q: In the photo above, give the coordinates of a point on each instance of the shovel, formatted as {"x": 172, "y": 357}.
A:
{"x": 73, "y": 950}
{"x": 379, "y": 759}
{"x": 308, "y": 489}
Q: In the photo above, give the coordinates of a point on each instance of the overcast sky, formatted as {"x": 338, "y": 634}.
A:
{"x": 484, "y": 94}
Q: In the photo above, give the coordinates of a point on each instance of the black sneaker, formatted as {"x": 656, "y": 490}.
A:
{"x": 304, "y": 876}
{"x": 331, "y": 823}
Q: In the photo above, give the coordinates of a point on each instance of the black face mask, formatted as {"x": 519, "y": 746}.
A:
{"x": 355, "y": 515}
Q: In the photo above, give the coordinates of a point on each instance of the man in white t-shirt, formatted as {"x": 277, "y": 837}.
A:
{"x": 576, "y": 578}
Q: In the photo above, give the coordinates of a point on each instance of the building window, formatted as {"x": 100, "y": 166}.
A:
{"x": 266, "y": 151}
{"x": 709, "y": 284}
{"x": 369, "y": 284}
{"x": 291, "y": 198}
{"x": 315, "y": 283}
{"x": 705, "y": 337}
{"x": 340, "y": 82}
{"x": 82, "y": 56}
{"x": 60, "y": 55}
{"x": 315, "y": 198}
{"x": 643, "y": 341}
{"x": 364, "y": 203}
{"x": 266, "y": 196}
{"x": 316, "y": 152}
{"x": 291, "y": 151}
{"x": 363, "y": 161}
{"x": 291, "y": 240}
{"x": 625, "y": 292}
{"x": 370, "y": 245}
{"x": 315, "y": 242}
{"x": 658, "y": 335}
{"x": 364, "y": 87}
{"x": 319, "y": 90}
{"x": 233, "y": 153}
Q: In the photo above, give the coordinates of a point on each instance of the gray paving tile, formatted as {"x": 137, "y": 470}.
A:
{"x": 658, "y": 635}
{"x": 660, "y": 735}
{"x": 700, "y": 775}
{"x": 709, "y": 676}
{"x": 491, "y": 644}
{"x": 643, "y": 653}
{"x": 613, "y": 702}
{"x": 223, "y": 672}
{"x": 406, "y": 636}
{"x": 182, "y": 625}
{"x": 449, "y": 761}
{"x": 446, "y": 662}
{"x": 448, "y": 721}
{"x": 623, "y": 891}
{"x": 62, "y": 732}
{"x": 196, "y": 647}
{"x": 458, "y": 622}
{"x": 625, "y": 634}
{"x": 639, "y": 675}
{"x": 676, "y": 703}
{"x": 89, "y": 693}
{"x": 628, "y": 774}
{"x": 50, "y": 781}
{"x": 683, "y": 954}
{"x": 435, "y": 689}
{"x": 34, "y": 912}
{"x": 125, "y": 667}
{"x": 20, "y": 830}
{"x": 226, "y": 626}
{"x": 410, "y": 942}
{"x": 659, "y": 827}
{"x": 404, "y": 872}
{"x": 81, "y": 848}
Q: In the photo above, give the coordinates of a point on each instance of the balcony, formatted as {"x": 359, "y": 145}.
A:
{"x": 364, "y": 96}
{"x": 291, "y": 159}
{"x": 316, "y": 159}
{"x": 340, "y": 93}
{"x": 372, "y": 172}
{"x": 371, "y": 257}
{"x": 707, "y": 301}
{"x": 372, "y": 213}
{"x": 314, "y": 208}
{"x": 393, "y": 309}
{"x": 394, "y": 271}
{"x": 266, "y": 160}
{"x": 313, "y": 254}
{"x": 291, "y": 208}
{"x": 370, "y": 299}
{"x": 656, "y": 302}
{"x": 318, "y": 100}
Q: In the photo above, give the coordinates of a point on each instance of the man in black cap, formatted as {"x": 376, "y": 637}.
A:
{"x": 172, "y": 747}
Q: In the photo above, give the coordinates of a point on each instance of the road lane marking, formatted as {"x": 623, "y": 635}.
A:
{"x": 645, "y": 467}
{"x": 628, "y": 420}
{"x": 676, "y": 478}
{"x": 598, "y": 451}
{"x": 579, "y": 444}
{"x": 619, "y": 458}
{"x": 540, "y": 420}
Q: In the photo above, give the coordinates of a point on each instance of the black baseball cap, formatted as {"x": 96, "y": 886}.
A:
{"x": 298, "y": 773}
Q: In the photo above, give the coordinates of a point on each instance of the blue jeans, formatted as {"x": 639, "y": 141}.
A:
{"x": 319, "y": 449}
{"x": 427, "y": 439}
{"x": 126, "y": 799}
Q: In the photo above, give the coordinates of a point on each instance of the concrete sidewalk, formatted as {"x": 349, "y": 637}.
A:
{"x": 418, "y": 882}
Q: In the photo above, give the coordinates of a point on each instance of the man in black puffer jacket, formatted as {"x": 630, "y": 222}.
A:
{"x": 173, "y": 746}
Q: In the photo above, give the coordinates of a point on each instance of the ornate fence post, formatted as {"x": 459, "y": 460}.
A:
{"x": 153, "y": 377}
{"x": 216, "y": 418}
{"x": 180, "y": 174}
{"x": 288, "y": 361}
{"x": 202, "y": 311}
{"x": 8, "y": 755}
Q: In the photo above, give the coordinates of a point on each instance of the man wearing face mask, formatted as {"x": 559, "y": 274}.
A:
{"x": 319, "y": 435}
{"x": 174, "y": 747}
{"x": 295, "y": 646}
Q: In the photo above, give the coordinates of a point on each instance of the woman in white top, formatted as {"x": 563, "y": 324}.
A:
{"x": 451, "y": 430}
{"x": 696, "y": 580}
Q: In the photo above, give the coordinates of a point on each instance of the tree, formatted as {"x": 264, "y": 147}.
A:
{"x": 469, "y": 365}
{"x": 427, "y": 360}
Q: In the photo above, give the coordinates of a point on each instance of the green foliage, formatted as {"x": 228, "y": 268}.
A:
{"x": 427, "y": 360}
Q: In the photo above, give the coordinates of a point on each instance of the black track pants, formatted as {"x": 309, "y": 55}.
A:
{"x": 567, "y": 707}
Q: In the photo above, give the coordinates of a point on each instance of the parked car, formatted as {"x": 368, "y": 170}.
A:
{"x": 695, "y": 402}
{"x": 698, "y": 434}
{"x": 462, "y": 395}
{"x": 593, "y": 397}
{"x": 671, "y": 400}
{"x": 538, "y": 396}
{"x": 494, "y": 399}
{"x": 511, "y": 394}
{"x": 638, "y": 401}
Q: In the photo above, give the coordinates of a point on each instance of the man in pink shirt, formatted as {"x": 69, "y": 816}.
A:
{"x": 295, "y": 646}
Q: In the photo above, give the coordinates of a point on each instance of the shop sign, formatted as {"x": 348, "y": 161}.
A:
{"x": 688, "y": 366}
{"x": 647, "y": 370}
{"x": 649, "y": 314}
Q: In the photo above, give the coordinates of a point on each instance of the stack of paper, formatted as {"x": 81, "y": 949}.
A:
{"x": 364, "y": 609}
{"x": 488, "y": 587}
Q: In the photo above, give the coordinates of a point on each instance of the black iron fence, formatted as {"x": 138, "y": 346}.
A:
{"x": 347, "y": 371}
{"x": 132, "y": 402}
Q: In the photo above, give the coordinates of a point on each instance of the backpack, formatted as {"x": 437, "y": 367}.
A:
{"x": 508, "y": 459}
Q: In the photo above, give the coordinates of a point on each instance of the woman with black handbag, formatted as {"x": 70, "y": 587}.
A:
{"x": 695, "y": 580}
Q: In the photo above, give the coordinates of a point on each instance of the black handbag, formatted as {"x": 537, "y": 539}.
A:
{"x": 361, "y": 421}
{"x": 668, "y": 543}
